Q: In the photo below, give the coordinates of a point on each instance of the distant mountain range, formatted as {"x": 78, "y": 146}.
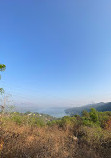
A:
{"x": 98, "y": 106}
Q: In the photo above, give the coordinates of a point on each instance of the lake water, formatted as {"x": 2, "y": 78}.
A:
{"x": 53, "y": 111}
{"x": 56, "y": 112}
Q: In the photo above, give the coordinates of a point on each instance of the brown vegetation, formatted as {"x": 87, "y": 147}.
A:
{"x": 47, "y": 142}
{"x": 67, "y": 138}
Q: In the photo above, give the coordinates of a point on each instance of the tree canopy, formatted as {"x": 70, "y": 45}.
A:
{"x": 2, "y": 68}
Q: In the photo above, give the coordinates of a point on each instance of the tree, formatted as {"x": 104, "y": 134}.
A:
{"x": 2, "y": 68}
{"x": 85, "y": 114}
{"x": 94, "y": 115}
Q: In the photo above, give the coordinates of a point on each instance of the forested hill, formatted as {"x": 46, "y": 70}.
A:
{"x": 98, "y": 106}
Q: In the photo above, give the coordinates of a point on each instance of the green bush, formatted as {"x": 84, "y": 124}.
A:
{"x": 22, "y": 119}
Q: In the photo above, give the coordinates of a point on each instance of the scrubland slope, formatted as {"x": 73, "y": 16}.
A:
{"x": 88, "y": 136}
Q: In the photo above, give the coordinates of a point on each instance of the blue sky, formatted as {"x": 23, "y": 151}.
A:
{"x": 56, "y": 52}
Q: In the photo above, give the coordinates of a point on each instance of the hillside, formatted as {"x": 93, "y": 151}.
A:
{"x": 98, "y": 106}
{"x": 27, "y": 136}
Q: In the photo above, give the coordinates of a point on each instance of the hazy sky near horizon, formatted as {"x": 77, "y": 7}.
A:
{"x": 56, "y": 52}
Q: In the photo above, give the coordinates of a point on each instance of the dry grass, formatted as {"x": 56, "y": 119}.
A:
{"x": 24, "y": 141}
{"x": 47, "y": 142}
